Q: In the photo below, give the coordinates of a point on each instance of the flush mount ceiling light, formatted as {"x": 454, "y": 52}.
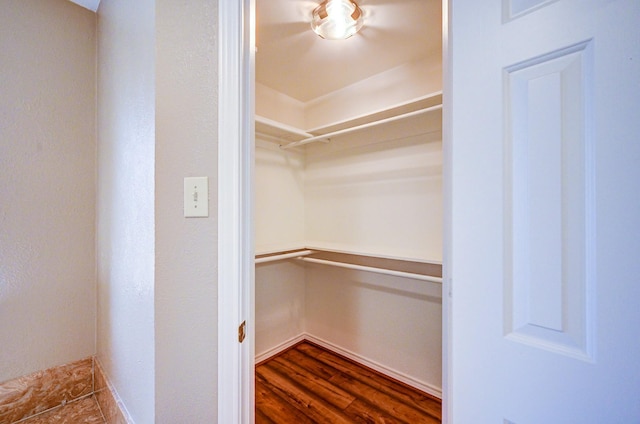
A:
{"x": 337, "y": 19}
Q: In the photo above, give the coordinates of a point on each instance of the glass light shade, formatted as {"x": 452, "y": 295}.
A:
{"x": 337, "y": 19}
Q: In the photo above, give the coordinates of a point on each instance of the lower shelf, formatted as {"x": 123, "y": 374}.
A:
{"x": 429, "y": 272}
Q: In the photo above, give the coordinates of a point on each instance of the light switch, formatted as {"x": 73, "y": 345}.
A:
{"x": 196, "y": 197}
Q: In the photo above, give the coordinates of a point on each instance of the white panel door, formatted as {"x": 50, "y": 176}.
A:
{"x": 543, "y": 246}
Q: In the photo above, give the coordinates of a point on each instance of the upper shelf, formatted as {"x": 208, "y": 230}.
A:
{"x": 420, "y": 103}
{"x": 293, "y": 137}
{"x": 279, "y": 131}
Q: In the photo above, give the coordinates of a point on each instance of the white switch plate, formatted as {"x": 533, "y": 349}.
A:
{"x": 196, "y": 197}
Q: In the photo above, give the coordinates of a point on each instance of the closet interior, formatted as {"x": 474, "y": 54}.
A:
{"x": 348, "y": 188}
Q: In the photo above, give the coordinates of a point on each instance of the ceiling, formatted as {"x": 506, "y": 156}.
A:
{"x": 293, "y": 60}
{"x": 88, "y": 4}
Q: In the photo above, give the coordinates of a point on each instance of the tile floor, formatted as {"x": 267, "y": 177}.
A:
{"x": 43, "y": 390}
{"x": 83, "y": 411}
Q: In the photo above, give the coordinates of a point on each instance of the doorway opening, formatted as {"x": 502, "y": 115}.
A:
{"x": 348, "y": 206}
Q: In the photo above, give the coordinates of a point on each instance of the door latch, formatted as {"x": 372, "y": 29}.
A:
{"x": 241, "y": 331}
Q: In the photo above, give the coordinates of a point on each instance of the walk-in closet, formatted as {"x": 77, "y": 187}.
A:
{"x": 348, "y": 187}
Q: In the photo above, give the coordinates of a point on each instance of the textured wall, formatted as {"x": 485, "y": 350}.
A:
{"x": 157, "y": 323}
{"x": 186, "y": 249}
{"x": 378, "y": 191}
{"x": 393, "y": 321}
{"x": 47, "y": 185}
{"x": 279, "y": 198}
{"x": 394, "y": 86}
{"x": 277, "y": 106}
{"x": 126, "y": 150}
{"x": 279, "y": 224}
{"x": 280, "y": 303}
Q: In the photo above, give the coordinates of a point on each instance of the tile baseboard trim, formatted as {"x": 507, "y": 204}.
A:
{"x": 112, "y": 408}
{"x": 33, "y": 394}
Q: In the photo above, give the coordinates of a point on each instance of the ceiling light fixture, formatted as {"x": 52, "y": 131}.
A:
{"x": 336, "y": 19}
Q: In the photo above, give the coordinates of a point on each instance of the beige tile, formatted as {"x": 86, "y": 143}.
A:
{"x": 106, "y": 398}
{"x": 84, "y": 411}
{"x": 29, "y": 395}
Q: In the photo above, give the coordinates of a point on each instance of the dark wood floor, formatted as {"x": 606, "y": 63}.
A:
{"x": 308, "y": 384}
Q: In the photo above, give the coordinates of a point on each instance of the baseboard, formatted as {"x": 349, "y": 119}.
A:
{"x": 389, "y": 372}
{"x": 383, "y": 369}
{"x": 111, "y": 405}
{"x": 266, "y": 355}
{"x": 33, "y": 394}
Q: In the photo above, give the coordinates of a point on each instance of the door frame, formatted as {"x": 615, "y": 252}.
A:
{"x": 236, "y": 63}
{"x": 447, "y": 207}
{"x": 236, "y": 281}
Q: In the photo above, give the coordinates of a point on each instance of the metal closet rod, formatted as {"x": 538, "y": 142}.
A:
{"x": 325, "y": 137}
{"x": 282, "y": 256}
{"x": 384, "y": 271}
{"x": 300, "y": 255}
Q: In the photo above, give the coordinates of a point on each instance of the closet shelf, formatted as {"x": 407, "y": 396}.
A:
{"x": 294, "y": 137}
{"x": 419, "y": 103}
{"x": 260, "y": 259}
{"x": 377, "y": 270}
{"x": 278, "y": 131}
{"x": 326, "y": 137}
{"x": 396, "y": 267}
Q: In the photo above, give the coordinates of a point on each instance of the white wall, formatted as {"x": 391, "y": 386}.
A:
{"x": 277, "y": 106}
{"x": 280, "y": 303}
{"x": 157, "y": 333}
{"x": 394, "y": 86}
{"x": 279, "y": 225}
{"x": 186, "y": 249}
{"x": 279, "y": 198}
{"x": 378, "y": 192}
{"x": 47, "y": 185}
{"x": 126, "y": 241}
{"x": 395, "y": 322}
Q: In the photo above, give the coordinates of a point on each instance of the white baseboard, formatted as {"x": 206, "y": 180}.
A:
{"x": 389, "y": 372}
{"x": 279, "y": 348}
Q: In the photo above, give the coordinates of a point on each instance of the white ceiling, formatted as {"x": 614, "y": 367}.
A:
{"x": 293, "y": 60}
{"x": 89, "y": 4}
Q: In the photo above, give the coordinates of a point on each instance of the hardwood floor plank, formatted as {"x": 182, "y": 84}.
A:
{"x": 422, "y": 401}
{"x": 383, "y": 401}
{"x": 313, "y": 406}
{"x": 263, "y": 419}
{"x": 310, "y": 349}
{"x": 314, "y": 366}
{"x": 362, "y": 412}
{"x": 310, "y": 381}
{"x": 271, "y": 408}
{"x": 323, "y": 388}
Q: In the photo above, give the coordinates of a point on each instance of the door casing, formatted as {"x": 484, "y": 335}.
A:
{"x": 236, "y": 303}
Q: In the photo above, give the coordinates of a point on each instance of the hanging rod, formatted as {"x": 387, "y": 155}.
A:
{"x": 270, "y": 123}
{"x": 283, "y": 256}
{"x": 325, "y": 137}
{"x": 374, "y": 269}
{"x": 276, "y": 139}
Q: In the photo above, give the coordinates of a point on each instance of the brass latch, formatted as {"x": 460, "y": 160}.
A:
{"x": 241, "y": 331}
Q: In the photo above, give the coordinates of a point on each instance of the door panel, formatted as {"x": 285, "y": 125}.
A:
{"x": 545, "y": 211}
{"x": 549, "y": 202}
